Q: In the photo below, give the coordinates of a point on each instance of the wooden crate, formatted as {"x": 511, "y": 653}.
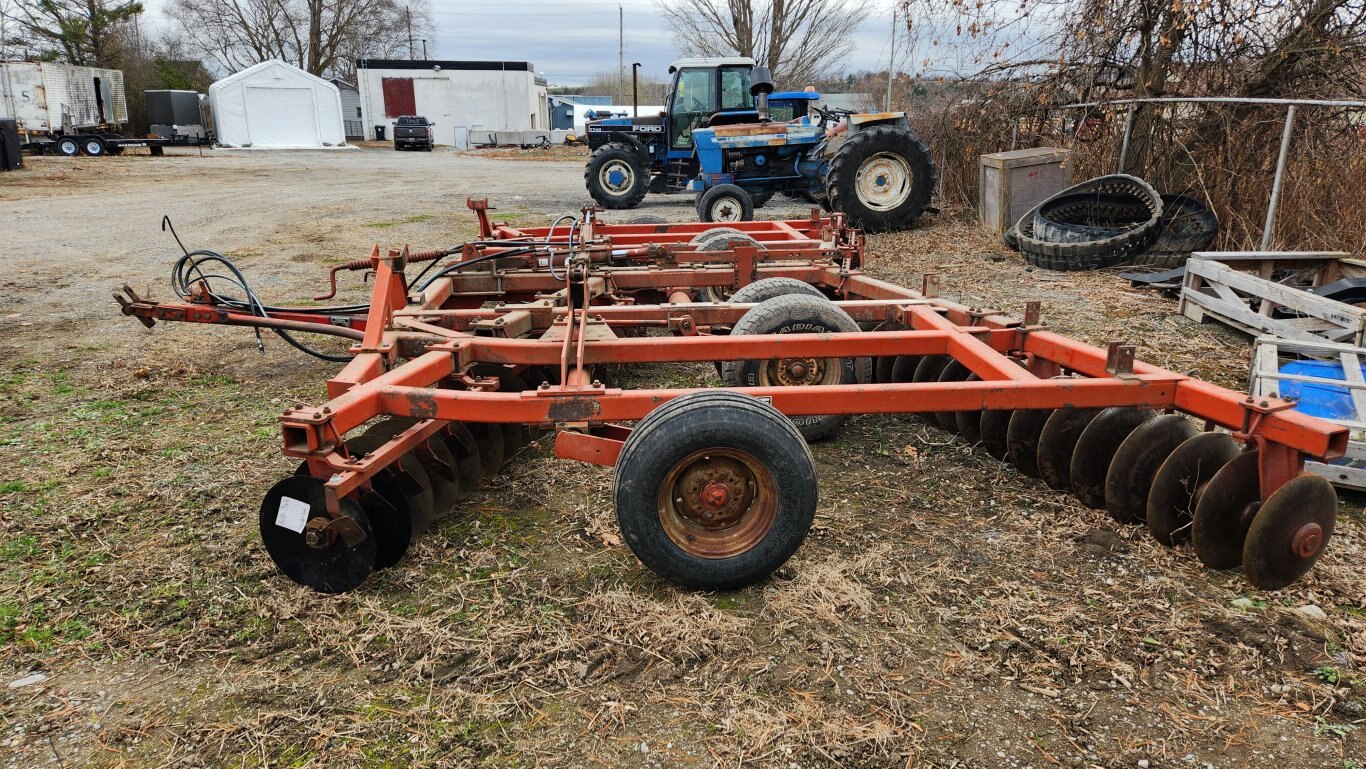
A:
{"x": 1011, "y": 183}
{"x": 1246, "y": 289}
{"x": 1267, "y": 355}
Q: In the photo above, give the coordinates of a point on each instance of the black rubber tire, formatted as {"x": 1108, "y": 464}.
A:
{"x": 842, "y": 186}
{"x": 1040, "y": 251}
{"x": 763, "y": 290}
{"x": 93, "y": 146}
{"x": 789, "y": 314}
{"x": 1081, "y": 217}
{"x": 611, "y": 154}
{"x": 713, "y": 420}
{"x": 1187, "y": 225}
{"x": 716, "y": 239}
{"x": 1011, "y": 238}
{"x": 68, "y": 146}
{"x": 728, "y": 197}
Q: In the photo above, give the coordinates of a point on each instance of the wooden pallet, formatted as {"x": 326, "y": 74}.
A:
{"x": 1267, "y": 356}
{"x": 1247, "y": 289}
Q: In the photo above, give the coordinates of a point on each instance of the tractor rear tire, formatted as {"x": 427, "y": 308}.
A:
{"x": 615, "y": 178}
{"x": 882, "y": 179}
{"x": 725, "y": 203}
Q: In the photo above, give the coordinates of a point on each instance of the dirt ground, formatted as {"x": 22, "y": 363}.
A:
{"x": 945, "y": 611}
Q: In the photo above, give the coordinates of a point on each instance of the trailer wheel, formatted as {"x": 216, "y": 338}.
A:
{"x": 796, "y": 314}
{"x": 882, "y": 178}
{"x": 68, "y": 146}
{"x": 92, "y": 146}
{"x": 615, "y": 177}
{"x": 725, "y": 203}
{"x": 714, "y": 490}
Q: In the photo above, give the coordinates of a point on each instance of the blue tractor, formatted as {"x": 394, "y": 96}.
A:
{"x": 729, "y": 138}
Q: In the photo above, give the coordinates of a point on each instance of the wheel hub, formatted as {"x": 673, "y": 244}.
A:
{"x": 617, "y": 176}
{"x": 790, "y": 372}
{"x": 725, "y": 211}
{"x": 714, "y": 492}
{"x": 883, "y": 182}
{"x": 1307, "y": 540}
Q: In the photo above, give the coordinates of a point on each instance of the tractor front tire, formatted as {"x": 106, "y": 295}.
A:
{"x": 882, "y": 179}
{"x": 615, "y": 177}
{"x": 725, "y": 203}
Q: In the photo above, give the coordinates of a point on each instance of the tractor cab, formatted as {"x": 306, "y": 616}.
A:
{"x": 707, "y": 92}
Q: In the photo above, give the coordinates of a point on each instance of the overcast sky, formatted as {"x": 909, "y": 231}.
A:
{"x": 570, "y": 40}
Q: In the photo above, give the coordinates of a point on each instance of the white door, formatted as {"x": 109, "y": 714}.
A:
{"x": 282, "y": 117}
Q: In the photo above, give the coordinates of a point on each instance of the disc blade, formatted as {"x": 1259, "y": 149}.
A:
{"x": 1097, "y": 446}
{"x": 1184, "y": 473}
{"x": 1290, "y": 532}
{"x": 392, "y": 518}
{"x": 1225, "y": 511}
{"x": 930, "y": 367}
{"x": 489, "y": 439}
{"x": 1136, "y": 462}
{"x": 285, "y": 511}
{"x": 413, "y": 482}
{"x": 417, "y": 485}
{"x": 953, "y": 372}
{"x": 1022, "y": 439}
{"x": 1057, "y": 442}
{"x": 440, "y": 467}
{"x": 994, "y": 427}
{"x": 903, "y": 368}
{"x": 466, "y": 452}
{"x": 882, "y": 369}
{"x": 882, "y": 366}
{"x": 515, "y": 436}
{"x": 969, "y": 423}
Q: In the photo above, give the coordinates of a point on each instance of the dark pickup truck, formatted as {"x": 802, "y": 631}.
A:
{"x": 413, "y": 132}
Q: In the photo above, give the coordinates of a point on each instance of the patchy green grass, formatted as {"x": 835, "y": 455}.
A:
{"x": 414, "y": 219}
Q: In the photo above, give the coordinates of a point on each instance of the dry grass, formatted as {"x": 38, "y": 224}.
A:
{"x": 945, "y": 611}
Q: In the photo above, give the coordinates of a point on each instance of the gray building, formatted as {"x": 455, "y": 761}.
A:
{"x": 351, "y": 114}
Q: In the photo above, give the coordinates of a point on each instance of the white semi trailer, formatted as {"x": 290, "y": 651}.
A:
{"x": 63, "y": 107}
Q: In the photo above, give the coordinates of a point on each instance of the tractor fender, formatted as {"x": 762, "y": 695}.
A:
{"x": 636, "y": 144}
{"x": 867, "y": 120}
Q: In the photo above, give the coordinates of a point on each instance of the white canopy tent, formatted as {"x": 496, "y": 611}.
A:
{"x": 277, "y": 106}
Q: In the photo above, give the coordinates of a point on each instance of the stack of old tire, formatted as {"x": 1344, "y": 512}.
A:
{"x": 1110, "y": 221}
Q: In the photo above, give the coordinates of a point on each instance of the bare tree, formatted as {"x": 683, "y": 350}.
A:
{"x": 797, "y": 40}
{"x": 319, "y": 36}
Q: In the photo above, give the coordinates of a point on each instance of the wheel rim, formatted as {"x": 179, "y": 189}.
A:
{"x": 93, "y": 147}
{"x": 69, "y": 147}
{"x": 726, "y": 209}
{"x": 718, "y": 503}
{"x": 883, "y": 181}
{"x": 617, "y": 177}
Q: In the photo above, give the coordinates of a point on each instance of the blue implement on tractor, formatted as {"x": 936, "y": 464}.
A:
{"x": 729, "y": 138}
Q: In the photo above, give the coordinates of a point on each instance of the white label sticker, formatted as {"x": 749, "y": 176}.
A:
{"x": 293, "y": 515}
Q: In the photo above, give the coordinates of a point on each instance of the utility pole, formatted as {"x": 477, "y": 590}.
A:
{"x": 408, "y": 13}
{"x": 621, "y": 54}
{"x": 891, "y": 62}
{"x": 424, "y": 50}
